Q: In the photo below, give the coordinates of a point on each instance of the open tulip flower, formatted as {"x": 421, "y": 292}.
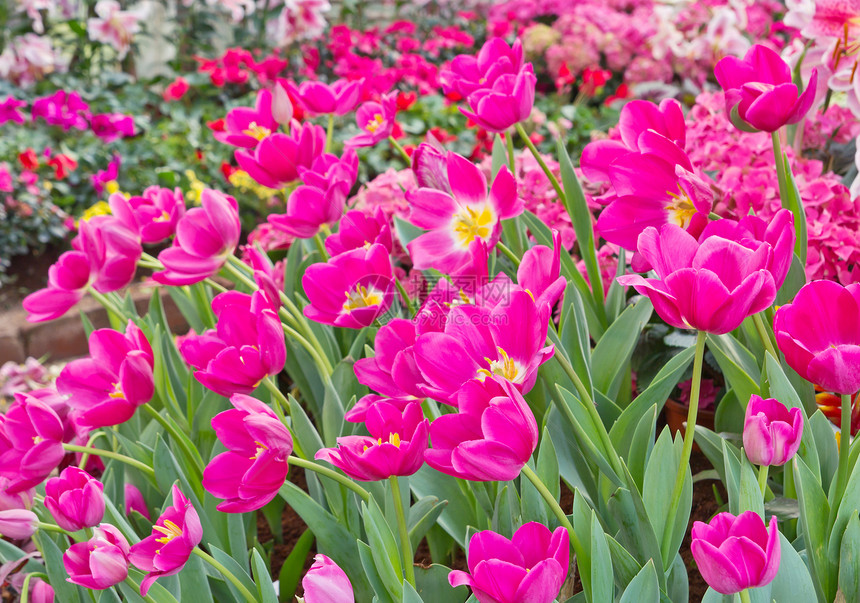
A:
{"x": 819, "y": 333}
{"x": 711, "y": 285}
{"x": 760, "y": 88}
{"x": 166, "y": 551}
{"x": 468, "y": 73}
{"x": 734, "y": 553}
{"x": 75, "y": 499}
{"x": 245, "y": 127}
{"x": 375, "y": 120}
{"x": 246, "y": 345}
{"x": 249, "y": 475}
{"x": 358, "y": 229}
{"x": 395, "y": 446}
{"x": 108, "y": 386}
{"x": 350, "y": 290}
{"x": 319, "y": 98}
{"x": 490, "y": 437}
{"x": 457, "y": 218}
{"x": 772, "y": 432}
{"x": 100, "y": 562}
{"x": 506, "y": 103}
{"x": 276, "y": 160}
{"x": 31, "y": 443}
{"x": 154, "y": 215}
{"x": 529, "y": 568}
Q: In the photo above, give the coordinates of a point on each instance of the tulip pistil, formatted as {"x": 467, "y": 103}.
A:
{"x": 470, "y": 224}
{"x": 170, "y": 531}
{"x": 504, "y": 367}
{"x": 681, "y": 209}
{"x": 362, "y": 297}
{"x": 373, "y": 125}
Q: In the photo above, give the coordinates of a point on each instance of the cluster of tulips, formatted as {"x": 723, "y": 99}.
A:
{"x": 474, "y": 400}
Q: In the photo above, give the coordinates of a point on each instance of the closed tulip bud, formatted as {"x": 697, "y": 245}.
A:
{"x": 282, "y": 108}
{"x": 772, "y": 432}
{"x": 17, "y": 524}
{"x": 75, "y": 499}
{"x": 100, "y": 562}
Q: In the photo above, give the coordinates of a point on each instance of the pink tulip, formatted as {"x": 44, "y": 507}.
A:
{"x": 108, "y": 386}
{"x": 761, "y": 89}
{"x": 508, "y": 341}
{"x": 358, "y": 229}
{"x": 321, "y": 200}
{"x": 736, "y": 553}
{"x": 325, "y": 582}
{"x": 18, "y": 524}
{"x": 31, "y": 443}
{"x": 275, "y": 161}
{"x": 529, "y": 568}
{"x": 254, "y": 468}
{"x": 99, "y": 563}
{"x": 539, "y": 272}
{"x": 9, "y": 500}
{"x": 819, "y": 333}
{"x": 174, "y": 535}
{"x": 430, "y": 165}
{"x": 467, "y": 73}
{"x": 750, "y": 231}
{"x": 362, "y": 277}
{"x": 41, "y": 591}
{"x": 396, "y": 444}
{"x": 110, "y": 126}
{"x": 456, "y": 219}
{"x": 490, "y": 438}
{"x": 508, "y": 102}
{"x": 772, "y": 432}
{"x": 134, "y": 500}
{"x": 392, "y": 371}
{"x": 358, "y": 413}
{"x": 154, "y": 215}
{"x": 205, "y": 237}
{"x": 710, "y": 286}
{"x": 246, "y": 345}
{"x": 375, "y": 120}
{"x": 75, "y": 499}
{"x": 245, "y": 127}
{"x": 319, "y": 98}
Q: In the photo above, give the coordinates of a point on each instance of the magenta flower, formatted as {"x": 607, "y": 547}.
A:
{"x": 710, "y": 286}
{"x": 65, "y": 109}
{"x": 456, "y": 219}
{"x": 376, "y": 121}
{"x": 110, "y": 126}
{"x": 117, "y": 377}
{"x": 772, "y": 431}
{"x": 539, "y": 272}
{"x": 529, "y": 568}
{"x": 31, "y": 443}
{"x": 467, "y": 73}
{"x": 392, "y": 371}
{"x": 41, "y": 591}
{"x": 358, "y": 229}
{"x": 759, "y": 87}
{"x": 508, "y": 102}
{"x": 319, "y": 98}
{"x": 490, "y": 437}
{"x": 254, "y": 468}
{"x": 205, "y": 237}
{"x": 395, "y": 446}
{"x": 68, "y": 279}
{"x": 430, "y": 165}
{"x": 154, "y": 215}
{"x": 246, "y": 127}
{"x": 99, "y": 563}
{"x": 174, "y": 535}
{"x": 351, "y": 290}
{"x": 246, "y": 345}
{"x": 325, "y": 582}
{"x": 736, "y": 553}
{"x": 751, "y": 231}
{"x": 819, "y": 333}
{"x": 507, "y": 341}
{"x": 75, "y": 499}
{"x": 134, "y": 500}
{"x": 10, "y": 110}
{"x": 275, "y": 161}
{"x": 18, "y": 524}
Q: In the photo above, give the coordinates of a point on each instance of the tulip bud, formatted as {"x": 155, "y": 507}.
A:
{"x": 41, "y": 591}
{"x": 100, "y": 562}
{"x": 75, "y": 499}
{"x": 134, "y": 501}
{"x": 772, "y": 432}
{"x": 325, "y": 582}
{"x": 282, "y": 108}
{"x": 17, "y": 524}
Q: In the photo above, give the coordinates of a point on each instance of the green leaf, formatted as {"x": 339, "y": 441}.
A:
{"x": 573, "y": 339}
{"x": 234, "y": 568}
{"x": 291, "y": 570}
{"x": 432, "y": 584}
{"x": 643, "y": 588}
{"x": 263, "y": 579}
{"x": 383, "y": 547}
{"x": 410, "y": 595}
{"x": 459, "y": 512}
{"x": 793, "y": 582}
{"x": 737, "y": 364}
{"x": 849, "y": 561}
{"x": 602, "y": 585}
{"x": 372, "y": 575}
{"x": 64, "y": 591}
{"x": 589, "y": 435}
{"x": 794, "y": 280}
{"x": 615, "y": 348}
{"x": 814, "y": 511}
{"x": 193, "y": 582}
{"x": 405, "y": 231}
{"x": 659, "y": 482}
{"x": 422, "y": 516}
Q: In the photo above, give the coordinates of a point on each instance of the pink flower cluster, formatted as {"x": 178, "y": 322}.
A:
{"x": 28, "y": 59}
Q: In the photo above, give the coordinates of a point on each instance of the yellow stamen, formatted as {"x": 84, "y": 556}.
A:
{"x": 373, "y": 125}
{"x": 470, "y": 224}
{"x": 261, "y": 448}
{"x": 255, "y": 131}
{"x": 362, "y": 297}
{"x": 681, "y": 208}
{"x": 504, "y": 367}
{"x": 170, "y": 531}
{"x": 117, "y": 392}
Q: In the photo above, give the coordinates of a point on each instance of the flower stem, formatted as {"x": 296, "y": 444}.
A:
{"x": 405, "y": 543}
{"x": 400, "y": 150}
{"x": 108, "y": 304}
{"x": 341, "y": 479}
{"x": 762, "y": 478}
{"x": 509, "y": 141}
{"x": 136, "y": 587}
{"x": 552, "y": 179}
{"x": 507, "y": 252}
{"x": 181, "y": 439}
{"x": 112, "y": 455}
{"x": 320, "y": 247}
{"x": 329, "y": 133}
{"x": 844, "y": 448}
{"x": 90, "y": 443}
{"x": 779, "y": 159}
{"x": 49, "y": 527}
{"x": 745, "y": 596}
{"x": 225, "y": 572}
{"x": 689, "y": 433}
{"x": 404, "y": 296}
{"x": 25, "y": 588}
{"x": 554, "y": 507}
{"x": 763, "y": 335}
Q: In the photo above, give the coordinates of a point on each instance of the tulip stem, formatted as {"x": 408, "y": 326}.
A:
{"x": 90, "y": 443}
{"x": 507, "y": 252}
{"x": 181, "y": 439}
{"x": 49, "y": 527}
{"x": 329, "y": 133}
{"x": 762, "y": 479}
{"x": 400, "y": 150}
{"x": 404, "y": 296}
{"x": 108, "y": 304}
{"x": 689, "y": 433}
{"x": 341, "y": 479}
{"x": 136, "y": 587}
{"x": 844, "y": 447}
{"x": 745, "y": 596}
{"x": 112, "y": 455}
{"x": 509, "y": 142}
{"x": 25, "y": 588}
{"x": 226, "y": 573}
{"x": 555, "y": 508}
{"x": 763, "y": 335}
{"x": 552, "y": 179}
{"x": 405, "y": 543}
{"x": 779, "y": 159}
{"x": 320, "y": 247}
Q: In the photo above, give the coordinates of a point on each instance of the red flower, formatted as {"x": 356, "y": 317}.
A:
{"x": 593, "y": 80}
{"x": 227, "y": 170}
{"x": 62, "y": 164}
{"x": 406, "y": 100}
{"x": 622, "y": 92}
{"x": 29, "y": 159}
{"x": 217, "y": 125}
{"x": 175, "y": 89}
